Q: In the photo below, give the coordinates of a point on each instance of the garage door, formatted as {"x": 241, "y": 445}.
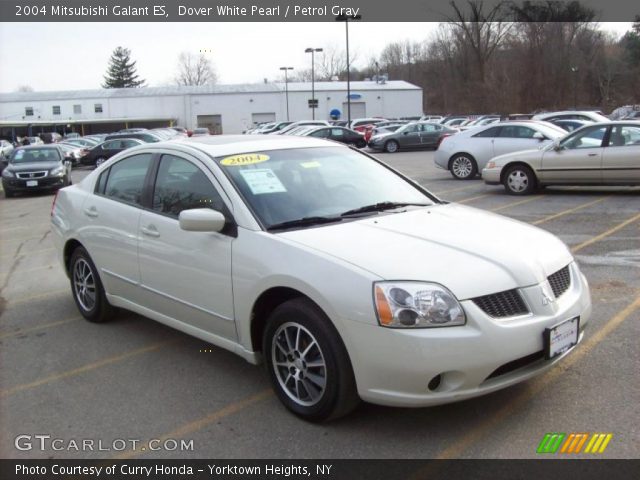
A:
{"x": 358, "y": 110}
{"x": 212, "y": 122}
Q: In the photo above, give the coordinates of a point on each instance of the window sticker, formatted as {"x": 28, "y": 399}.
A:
{"x": 262, "y": 181}
{"x": 19, "y": 154}
{"x": 245, "y": 159}
{"x": 310, "y": 164}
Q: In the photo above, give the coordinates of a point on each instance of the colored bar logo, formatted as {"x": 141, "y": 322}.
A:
{"x": 555, "y": 442}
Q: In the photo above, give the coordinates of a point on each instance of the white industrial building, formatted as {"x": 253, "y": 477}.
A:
{"x": 222, "y": 108}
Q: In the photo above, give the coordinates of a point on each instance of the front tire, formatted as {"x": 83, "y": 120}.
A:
{"x": 308, "y": 365}
{"x": 391, "y": 146}
{"x": 519, "y": 180}
{"x": 9, "y": 193}
{"x": 87, "y": 289}
{"x": 463, "y": 167}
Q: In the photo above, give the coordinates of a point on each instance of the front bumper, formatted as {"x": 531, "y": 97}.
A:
{"x": 491, "y": 176}
{"x": 20, "y": 185}
{"x": 395, "y": 366}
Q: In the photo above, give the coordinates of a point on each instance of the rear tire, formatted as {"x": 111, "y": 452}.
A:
{"x": 463, "y": 166}
{"x": 519, "y": 180}
{"x": 307, "y": 362}
{"x": 100, "y": 161}
{"x": 87, "y": 289}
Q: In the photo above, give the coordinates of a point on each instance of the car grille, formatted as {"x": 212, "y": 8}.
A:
{"x": 503, "y": 304}
{"x": 28, "y": 175}
{"x": 560, "y": 281}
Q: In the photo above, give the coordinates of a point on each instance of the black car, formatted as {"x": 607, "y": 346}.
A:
{"x": 34, "y": 168}
{"x": 102, "y": 152}
{"x": 339, "y": 134}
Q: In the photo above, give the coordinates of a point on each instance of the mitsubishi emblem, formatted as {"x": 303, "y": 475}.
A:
{"x": 547, "y": 298}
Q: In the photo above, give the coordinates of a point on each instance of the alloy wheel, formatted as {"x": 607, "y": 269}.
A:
{"x": 84, "y": 285}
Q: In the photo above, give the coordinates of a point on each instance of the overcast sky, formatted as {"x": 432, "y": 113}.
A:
{"x": 66, "y": 56}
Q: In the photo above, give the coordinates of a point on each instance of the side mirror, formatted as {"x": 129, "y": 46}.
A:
{"x": 556, "y": 146}
{"x": 201, "y": 220}
{"x": 538, "y": 136}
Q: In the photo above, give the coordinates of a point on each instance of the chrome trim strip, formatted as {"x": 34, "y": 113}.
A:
{"x": 120, "y": 277}
{"x": 196, "y": 307}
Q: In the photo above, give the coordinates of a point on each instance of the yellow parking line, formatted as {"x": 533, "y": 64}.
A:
{"x": 39, "y": 327}
{"x": 465, "y": 200}
{"x": 566, "y": 212}
{"x": 52, "y": 293}
{"x": 29, "y": 270}
{"x": 30, "y": 253}
{"x": 83, "y": 369}
{"x": 488, "y": 424}
{"x": 509, "y": 205}
{"x": 611, "y": 231}
{"x": 200, "y": 423}
{"x": 459, "y": 189}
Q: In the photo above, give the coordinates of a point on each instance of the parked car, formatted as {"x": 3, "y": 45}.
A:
{"x": 81, "y": 142}
{"x": 390, "y": 320}
{"x": 338, "y": 134}
{"x": 301, "y": 123}
{"x": 104, "y": 151}
{"x": 598, "y": 154}
{"x": 479, "y": 122}
{"x": 362, "y": 124}
{"x": 466, "y": 153}
{"x": 635, "y": 115}
{"x": 97, "y": 137}
{"x": 432, "y": 118}
{"x": 275, "y": 127}
{"x": 571, "y": 125}
{"x": 409, "y": 136}
{"x": 571, "y": 115}
{"x": 73, "y": 153}
{"x": 6, "y": 148}
{"x": 35, "y": 168}
{"x": 146, "y": 136}
{"x": 70, "y": 135}
{"x": 133, "y": 130}
{"x": 50, "y": 137}
{"x": 200, "y": 131}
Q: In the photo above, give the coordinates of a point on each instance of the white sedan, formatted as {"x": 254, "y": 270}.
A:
{"x": 598, "y": 154}
{"x": 346, "y": 278}
{"x": 466, "y": 153}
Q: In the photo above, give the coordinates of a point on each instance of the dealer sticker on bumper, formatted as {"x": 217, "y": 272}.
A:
{"x": 560, "y": 338}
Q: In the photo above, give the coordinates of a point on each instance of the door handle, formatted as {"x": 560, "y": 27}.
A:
{"x": 150, "y": 231}
{"x": 593, "y": 154}
{"x": 91, "y": 212}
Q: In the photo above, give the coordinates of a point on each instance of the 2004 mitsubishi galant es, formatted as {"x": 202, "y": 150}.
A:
{"x": 349, "y": 280}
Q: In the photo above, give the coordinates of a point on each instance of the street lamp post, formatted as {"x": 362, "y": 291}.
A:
{"x": 575, "y": 87}
{"x": 312, "y": 51}
{"x": 345, "y": 19}
{"x": 286, "y": 87}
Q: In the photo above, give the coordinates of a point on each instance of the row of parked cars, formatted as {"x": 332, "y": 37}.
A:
{"x": 45, "y": 162}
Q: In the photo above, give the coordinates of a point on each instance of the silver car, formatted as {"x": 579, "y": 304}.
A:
{"x": 605, "y": 153}
{"x": 467, "y": 153}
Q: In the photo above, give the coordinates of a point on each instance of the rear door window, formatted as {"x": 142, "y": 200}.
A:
{"x": 126, "y": 179}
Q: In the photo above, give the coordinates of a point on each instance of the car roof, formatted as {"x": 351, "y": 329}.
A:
{"x": 39, "y": 146}
{"x": 218, "y": 145}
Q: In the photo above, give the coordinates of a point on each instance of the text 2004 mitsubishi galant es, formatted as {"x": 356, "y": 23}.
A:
{"x": 349, "y": 280}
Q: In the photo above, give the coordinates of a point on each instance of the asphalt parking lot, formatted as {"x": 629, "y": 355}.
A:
{"x": 136, "y": 379}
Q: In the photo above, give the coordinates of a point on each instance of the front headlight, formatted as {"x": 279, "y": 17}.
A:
{"x": 7, "y": 173}
{"x": 416, "y": 305}
{"x": 57, "y": 172}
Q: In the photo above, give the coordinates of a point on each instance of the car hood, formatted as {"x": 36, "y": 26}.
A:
{"x": 33, "y": 166}
{"x": 523, "y": 155}
{"x": 469, "y": 251}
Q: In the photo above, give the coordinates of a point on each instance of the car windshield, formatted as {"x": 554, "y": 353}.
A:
{"x": 316, "y": 183}
{"x": 35, "y": 155}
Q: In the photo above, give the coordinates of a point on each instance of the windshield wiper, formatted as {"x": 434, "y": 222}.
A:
{"x": 381, "y": 206}
{"x": 304, "y": 222}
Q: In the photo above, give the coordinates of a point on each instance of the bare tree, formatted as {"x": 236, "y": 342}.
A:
{"x": 195, "y": 70}
{"x": 481, "y": 31}
{"x": 24, "y": 88}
